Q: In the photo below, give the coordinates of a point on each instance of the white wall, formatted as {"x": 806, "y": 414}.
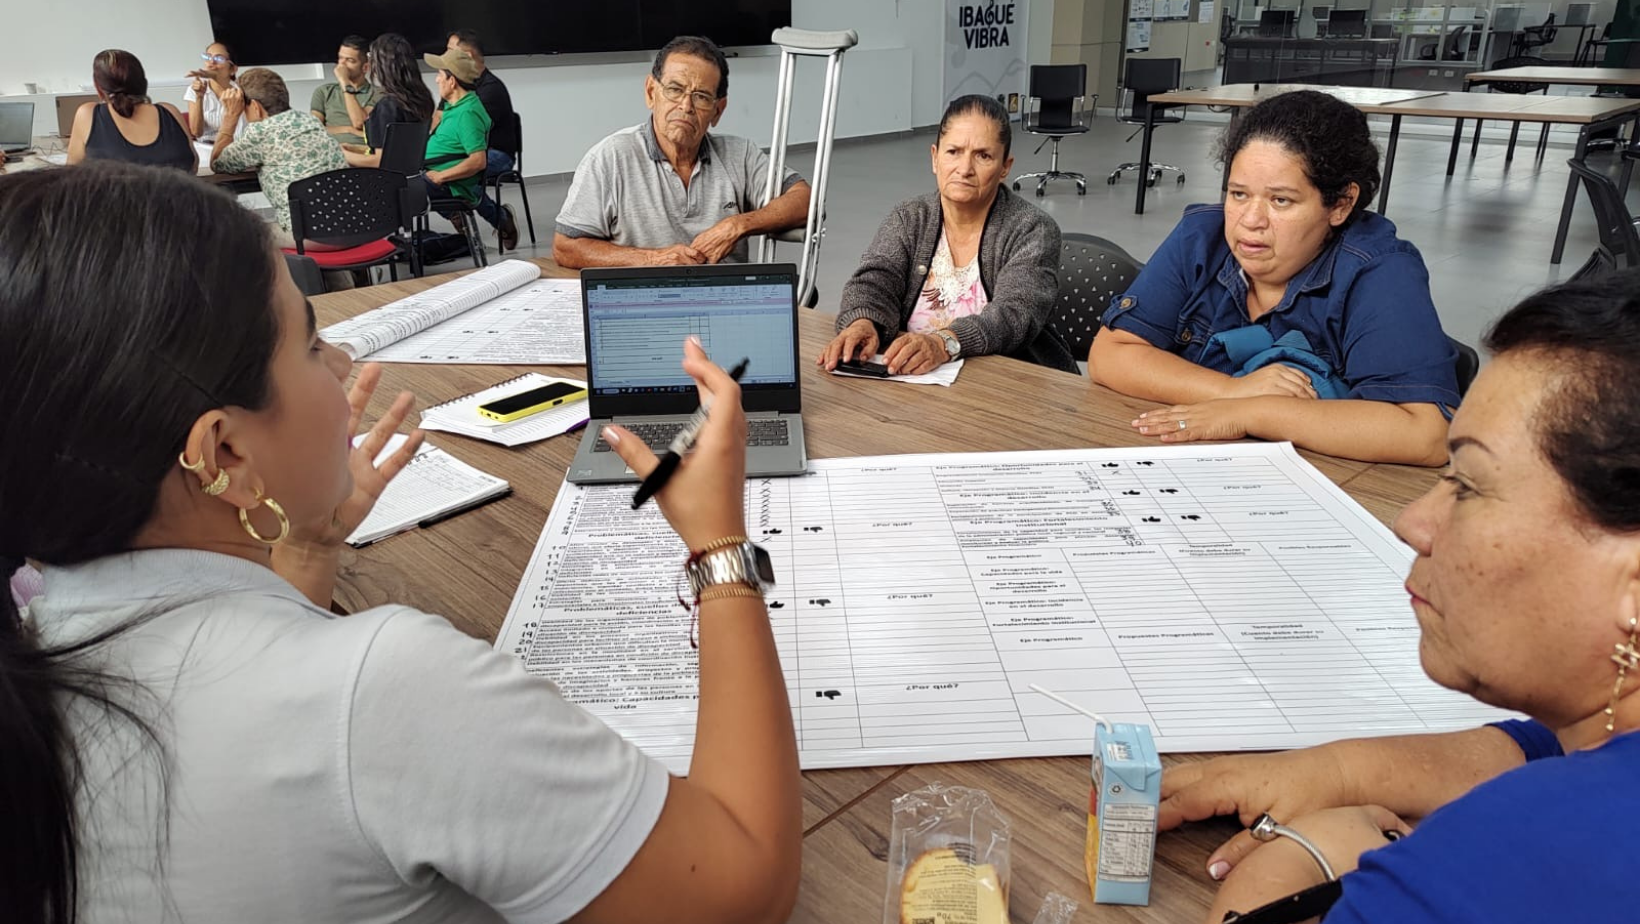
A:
{"x": 891, "y": 81}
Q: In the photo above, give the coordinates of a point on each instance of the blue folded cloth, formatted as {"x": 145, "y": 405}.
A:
{"x": 1251, "y": 348}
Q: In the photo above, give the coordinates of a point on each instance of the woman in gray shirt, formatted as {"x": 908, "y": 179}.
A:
{"x": 970, "y": 270}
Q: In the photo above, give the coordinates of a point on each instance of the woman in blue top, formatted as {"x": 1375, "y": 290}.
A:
{"x": 1526, "y": 589}
{"x": 1287, "y": 292}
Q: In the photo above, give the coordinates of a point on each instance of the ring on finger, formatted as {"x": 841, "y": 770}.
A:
{"x": 1181, "y": 423}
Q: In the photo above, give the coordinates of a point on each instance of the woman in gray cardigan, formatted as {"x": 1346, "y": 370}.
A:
{"x": 969, "y": 271}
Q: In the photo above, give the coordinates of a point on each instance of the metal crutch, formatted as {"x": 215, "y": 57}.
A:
{"x": 828, "y": 45}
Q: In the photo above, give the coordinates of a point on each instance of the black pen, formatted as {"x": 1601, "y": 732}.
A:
{"x": 682, "y": 443}
{"x": 474, "y": 505}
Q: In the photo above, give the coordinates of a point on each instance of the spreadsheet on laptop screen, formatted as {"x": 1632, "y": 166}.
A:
{"x": 636, "y": 331}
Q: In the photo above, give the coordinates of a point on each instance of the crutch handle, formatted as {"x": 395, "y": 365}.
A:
{"x": 810, "y": 40}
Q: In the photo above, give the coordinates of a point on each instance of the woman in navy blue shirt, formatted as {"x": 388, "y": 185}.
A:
{"x": 1288, "y": 292}
{"x": 1526, "y": 589}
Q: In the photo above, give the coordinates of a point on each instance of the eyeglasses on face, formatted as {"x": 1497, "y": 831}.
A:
{"x": 700, "y": 99}
{"x": 216, "y": 59}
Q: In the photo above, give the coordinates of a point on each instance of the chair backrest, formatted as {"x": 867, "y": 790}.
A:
{"x": 1092, "y": 273}
{"x": 1467, "y": 366}
{"x": 405, "y": 147}
{"x": 1057, "y": 86}
{"x": 347, "y": 207}
{"x": 1618, "y": 236}
{"x": 1515, "y": 86}
{"x": 1456, "y": 46}
{"x": 1144, "y": 76}
{"x": 306, "y": 274}
{"x": 518, "y": 132}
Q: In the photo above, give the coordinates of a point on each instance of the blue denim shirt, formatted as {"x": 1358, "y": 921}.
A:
{"x": 1363, "y": 304}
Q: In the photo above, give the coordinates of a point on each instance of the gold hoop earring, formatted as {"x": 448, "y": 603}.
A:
{"x": 196, "y": 468}
{"x": 278, "y": 511}
{"x": 1627, "y": 658}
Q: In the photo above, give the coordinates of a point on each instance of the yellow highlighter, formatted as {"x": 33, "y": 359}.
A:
{"x": 534, "y": 401}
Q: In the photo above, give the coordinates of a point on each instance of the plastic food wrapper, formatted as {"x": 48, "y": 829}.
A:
{"x": 947, "y": 859}
{"x": 1056, "y": 909}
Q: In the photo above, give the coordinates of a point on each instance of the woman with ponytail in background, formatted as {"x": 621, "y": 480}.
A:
{"x": 124, "y": 125}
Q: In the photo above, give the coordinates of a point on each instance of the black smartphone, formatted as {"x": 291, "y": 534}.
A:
{"x": 529, "y": 402}
{"x": 861, "y": 367}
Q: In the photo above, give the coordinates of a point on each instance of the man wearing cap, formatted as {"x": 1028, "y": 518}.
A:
{"x": 457, "y": 149}
{"x": 666, "y": 191}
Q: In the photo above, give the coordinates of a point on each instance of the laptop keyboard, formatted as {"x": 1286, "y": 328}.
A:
{"x": 760, "y": 431}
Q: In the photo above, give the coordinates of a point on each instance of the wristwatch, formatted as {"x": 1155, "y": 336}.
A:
{"x": 742, "y": 563}
{"x": 952, "y": 347}
{"x": 353, "y": 91}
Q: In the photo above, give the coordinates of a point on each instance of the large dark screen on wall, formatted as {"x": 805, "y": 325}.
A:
{"x": 305, "y": 31}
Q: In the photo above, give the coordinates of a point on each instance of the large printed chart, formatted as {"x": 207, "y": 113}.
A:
{"x": 1232, "y": 598}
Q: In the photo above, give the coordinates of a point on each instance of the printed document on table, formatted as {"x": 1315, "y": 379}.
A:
{"x": 461, "y": 415}
{"x": 503, "y": 314}
{"x": 1229, "y": 596}
{"x": 539, "y": 324}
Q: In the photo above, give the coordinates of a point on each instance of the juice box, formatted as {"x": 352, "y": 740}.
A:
{"x": 1122, "y": 808}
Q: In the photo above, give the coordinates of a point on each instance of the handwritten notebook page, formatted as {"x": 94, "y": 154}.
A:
{"x": 376, "y": 330}
{"x": 432, "y": 484}
{"x": 1231, "y": 597}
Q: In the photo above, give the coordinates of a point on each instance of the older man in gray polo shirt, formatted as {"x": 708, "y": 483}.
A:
{"x": 667, "y": 192}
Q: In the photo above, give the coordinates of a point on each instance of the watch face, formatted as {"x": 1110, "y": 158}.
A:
{"x": 762, "y": 564}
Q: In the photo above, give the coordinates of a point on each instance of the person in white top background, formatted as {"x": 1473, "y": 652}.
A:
{"x": 204, "y": 95}
{"x": 190, "y": 734}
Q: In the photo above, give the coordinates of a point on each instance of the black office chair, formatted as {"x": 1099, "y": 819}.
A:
{"x": 1092, "y": 273}
{"x": 403, "y": 153}
{"x": 356, "y": 209}
{"x": 1057, "y": 92}
{"x": 1143, "y": 77}
{"x": 1594, "y": 50}
{"x": 516, "y": 175}
{"x": 1619, "y": 241}
{"x": 1517, "y": 87}
{"x": 309, "y": 279}
{"x": 1467, "y": 366}
{"x": 1456, "y": 42}
{"x": 1533, "y": 37}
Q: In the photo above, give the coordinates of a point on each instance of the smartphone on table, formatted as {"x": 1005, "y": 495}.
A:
{"x": 534, "y": 401}
{"x": 861, "y": 367}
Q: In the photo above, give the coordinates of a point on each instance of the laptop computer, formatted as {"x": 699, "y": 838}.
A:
{"x": 636, "y": 319}
{"x": 16, "y": 127}
{"x": 67, "y": 108}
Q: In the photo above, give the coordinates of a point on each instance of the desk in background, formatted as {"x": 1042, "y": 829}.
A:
{"x": 468, "y": 567}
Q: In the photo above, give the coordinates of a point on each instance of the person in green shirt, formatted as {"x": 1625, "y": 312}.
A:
{"x": 343, "y": 105}
{"x": 458, "y": 148}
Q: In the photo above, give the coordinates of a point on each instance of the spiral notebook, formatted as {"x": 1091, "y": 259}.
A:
{"x": 461, "y": 415}
{"x": 433, "y": 487}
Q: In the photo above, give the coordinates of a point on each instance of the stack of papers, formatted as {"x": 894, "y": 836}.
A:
{"x": 461, "y": 416}
{"x": 505, "y": 314}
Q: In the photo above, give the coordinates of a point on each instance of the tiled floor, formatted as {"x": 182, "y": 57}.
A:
{"x": 1485, "y": 233}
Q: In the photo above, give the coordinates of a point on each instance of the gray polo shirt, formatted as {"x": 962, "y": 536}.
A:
{"x": 626, "y": 192}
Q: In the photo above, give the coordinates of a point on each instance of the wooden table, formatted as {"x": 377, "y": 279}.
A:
{"x": 1589, "y": 114}
{"x": 1564, "y": 76}
{"x": 468, "y": 567}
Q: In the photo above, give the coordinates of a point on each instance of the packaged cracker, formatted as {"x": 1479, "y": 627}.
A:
{"x": 947, "y": 859}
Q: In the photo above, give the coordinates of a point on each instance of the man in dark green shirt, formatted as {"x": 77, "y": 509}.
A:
{"x": 343, "y": 105}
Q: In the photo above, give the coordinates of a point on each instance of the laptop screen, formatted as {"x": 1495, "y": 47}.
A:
{"x": 636, "y": 326}
{"x": 16, "y": 125}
